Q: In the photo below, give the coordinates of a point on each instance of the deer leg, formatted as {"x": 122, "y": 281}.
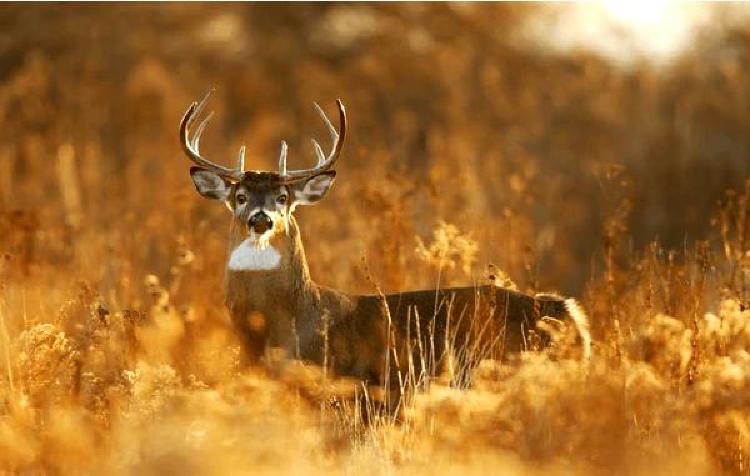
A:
{"x": 253, "y": 334}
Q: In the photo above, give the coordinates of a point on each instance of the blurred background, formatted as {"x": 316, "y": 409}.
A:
{"x": 559, "y": 139}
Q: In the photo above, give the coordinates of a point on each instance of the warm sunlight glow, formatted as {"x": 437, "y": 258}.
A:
{"x": 625, "y": 31}
{"x": 656, "y": 28}
{"x": 638, "y": 14}
{"x": 533, "y": 261}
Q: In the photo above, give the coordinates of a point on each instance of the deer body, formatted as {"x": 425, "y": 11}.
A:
{"x": 284, "y": 308}
{"x": 274, "y": 302}
{"x": 266, "y": 302}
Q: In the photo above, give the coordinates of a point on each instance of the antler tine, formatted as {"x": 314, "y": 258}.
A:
{"x": 318, "y": 152}
{"x": 324, "y": 162}
{"x": 201, "y": 105}
{"x": 329, "y": 126}
{"x": 241, "y": 160}
{"x": 282, "y": 159}
{"x": 191, "y": 147}
{"x": 195, "y": 142}
{"x": 342, "y": 126}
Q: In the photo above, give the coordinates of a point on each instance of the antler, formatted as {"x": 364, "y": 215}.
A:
{"x": 324, "y": 163}
{"x": 192, "y": 146}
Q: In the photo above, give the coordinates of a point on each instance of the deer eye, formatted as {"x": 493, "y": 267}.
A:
{"x": 241, "y": 199}
{"x": 281, "y": 199}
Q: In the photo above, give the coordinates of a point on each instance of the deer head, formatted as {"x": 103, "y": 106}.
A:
{"x": 261, "y": 202}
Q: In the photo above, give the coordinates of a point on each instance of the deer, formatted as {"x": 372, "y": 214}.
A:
{"x": 275, "y": 304}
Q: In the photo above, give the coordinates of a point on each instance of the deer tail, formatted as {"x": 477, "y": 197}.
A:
{"x": 581, "y": 321}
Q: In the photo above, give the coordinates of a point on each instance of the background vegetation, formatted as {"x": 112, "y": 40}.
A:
{"x": 563, "y": 170}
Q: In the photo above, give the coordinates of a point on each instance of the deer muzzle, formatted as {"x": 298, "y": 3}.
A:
{"x": 260, "y": 223}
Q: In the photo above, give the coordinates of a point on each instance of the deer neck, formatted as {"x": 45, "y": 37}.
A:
{"x": 279, "y": 266}
{"x": 273, "y": 281}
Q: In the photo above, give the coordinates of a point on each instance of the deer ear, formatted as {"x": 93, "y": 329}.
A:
{"x": 313, "y": 189}
{"x": 210, "y": 185}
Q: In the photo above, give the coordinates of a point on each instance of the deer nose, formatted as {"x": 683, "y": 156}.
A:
{"x": 260, "y": 223}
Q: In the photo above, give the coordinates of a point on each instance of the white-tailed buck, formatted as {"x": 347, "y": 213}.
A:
{"x": 274, "y": 302}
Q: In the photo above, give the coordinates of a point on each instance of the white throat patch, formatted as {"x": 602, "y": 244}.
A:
{"x": 252, "y": 255}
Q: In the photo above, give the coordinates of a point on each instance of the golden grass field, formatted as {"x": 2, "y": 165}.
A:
{"x": 562, "y": 172}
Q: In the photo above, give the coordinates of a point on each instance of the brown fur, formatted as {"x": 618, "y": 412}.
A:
{"x": 284, "y": 308}
{"x": 278, "y": 305}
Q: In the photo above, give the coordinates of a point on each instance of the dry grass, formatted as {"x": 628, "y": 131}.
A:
{"x": 121, "y": 394}
{"x": 115, "y": 354}
{"x": 90, "y": 388}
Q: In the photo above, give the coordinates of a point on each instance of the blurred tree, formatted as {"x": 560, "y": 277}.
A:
{"x": 492, "y": 134}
